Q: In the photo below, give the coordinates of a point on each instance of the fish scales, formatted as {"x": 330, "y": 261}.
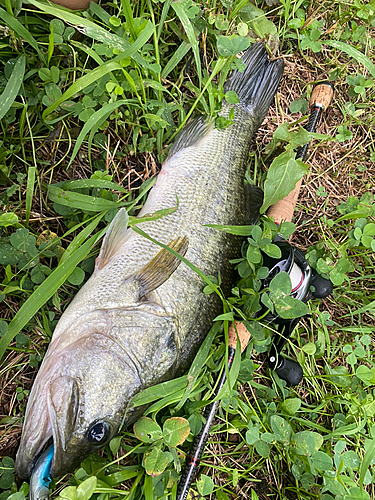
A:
{"x": 141, "y": 317}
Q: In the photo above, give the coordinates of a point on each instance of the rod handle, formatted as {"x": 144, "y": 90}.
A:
{"x": 283, "y": 210}
{"x": 321, "y": 95}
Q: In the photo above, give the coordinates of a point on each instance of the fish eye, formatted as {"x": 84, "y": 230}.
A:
{"x": 98, "y": 432}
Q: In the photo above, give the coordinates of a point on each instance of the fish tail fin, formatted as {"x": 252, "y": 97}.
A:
{"x": 257, "y": 84}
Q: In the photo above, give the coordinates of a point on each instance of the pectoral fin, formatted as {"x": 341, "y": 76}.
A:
{"x": 158, "y": 270}
{"x": 114, "y": 238}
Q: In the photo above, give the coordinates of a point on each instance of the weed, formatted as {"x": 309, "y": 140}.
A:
{"x": 90, "y": 102}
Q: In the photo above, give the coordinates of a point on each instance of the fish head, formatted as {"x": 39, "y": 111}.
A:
{"x": 78, "y": 401}
{"x": 82, "y": 393}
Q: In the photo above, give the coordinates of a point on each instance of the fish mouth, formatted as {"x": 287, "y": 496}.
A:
{"x": 62, "y": 404}
{"x": 55, "y": 425}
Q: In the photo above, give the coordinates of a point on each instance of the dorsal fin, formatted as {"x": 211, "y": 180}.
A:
{"x": 160, "y": 268}
{"x": 113, "y": 239}
{"x": 191, "y": 134}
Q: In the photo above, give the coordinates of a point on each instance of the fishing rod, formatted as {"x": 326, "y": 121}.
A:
{"x": 293, "y": 262}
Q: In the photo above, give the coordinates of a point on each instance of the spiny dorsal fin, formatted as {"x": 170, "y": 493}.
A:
{"x": 191, "y": 134}
{"x": 114, "y": 238}
{"x": 158, "y": 270}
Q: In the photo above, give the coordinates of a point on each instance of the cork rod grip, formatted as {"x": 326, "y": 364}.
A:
{"x": 322, "y": 95}
{"x": 283, "y": 210}
{"x": 243, "y": 335}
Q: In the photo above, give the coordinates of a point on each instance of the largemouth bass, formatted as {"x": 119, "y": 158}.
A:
{"x": 142, "y": 315}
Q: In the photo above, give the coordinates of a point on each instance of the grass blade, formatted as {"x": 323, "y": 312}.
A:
{"x": 82, "y": 83}
{"x": 163, "y": 17}
{"x": 354, "y": 53}
{"x": 189, "y": 30}
{"x": 369, "y": 308}
{"x": 90, "y": 183}
{"x": 45, "y": 291}
{"x": 104, "y": 17}
{"x": 80, "y": 238}
{"x": 106, "y": 68}
{"x": 93, "y": 123}
{"x": 198, "y": 362}
{"x": 194, "y": 268}
{"x": 367, "y": 459}
{"x": 182, "y": 50}
{"x": 159, "y": 391}
{"x": 92, "y": 30}
{"x": 13, "y": 86}
{"x": 81, "y": 201}
{"x": 29, "y": 191}
{"x": 129, "y": 18}
{"x": 17, "y": 27}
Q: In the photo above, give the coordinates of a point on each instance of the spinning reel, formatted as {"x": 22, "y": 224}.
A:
{"x": 306, "y": 283}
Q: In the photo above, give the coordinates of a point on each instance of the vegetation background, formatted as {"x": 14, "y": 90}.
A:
{"x": 89, "y": 103}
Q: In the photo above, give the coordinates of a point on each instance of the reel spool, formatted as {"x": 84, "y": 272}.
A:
{"x": 306, "y": 283}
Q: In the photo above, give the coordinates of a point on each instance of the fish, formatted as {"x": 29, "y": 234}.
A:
{"x": 142, "y": 315}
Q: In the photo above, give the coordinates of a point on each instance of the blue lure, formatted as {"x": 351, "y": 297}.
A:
{"x": 40, "y": 477}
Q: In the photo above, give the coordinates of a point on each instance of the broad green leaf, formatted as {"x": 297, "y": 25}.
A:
{"x": 289, "y": 308}
{"x": 322, "y": 461}
{"x": 351, "y": 459}
{"x": 77, "y": 276}
{"x": 290, "y": 405}
{"x": 8, "y": 219}
{"x": 205, "y": 485}
{"x": 247, "y": 369}
{"x": 309, "y": 348}
{"x": 230, "y": 46}
{"x": 175, "y": 431}
{"x": 255, "y": 328}
{"x": 356, "y": 493}
{"x": 281, "y": 283}
{"x": 262, "y": 449}
{"x": 285, "y": 171}
{"x": 257, "y": 20}
{"x": 281, "y": 429}
{"x": 225, "y": 317}
{"x": 306, "y": 442}
{"x": 87, "y": 488}
{"x": 155, "y": 462}
{"x": 147, "y": 430}
{"x": 252, "y": 435}
{"x": 365, "y": 374}
{"x": 12, "y": 88}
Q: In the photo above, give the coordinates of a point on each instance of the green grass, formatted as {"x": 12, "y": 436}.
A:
{"x": 89, "y": 104}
